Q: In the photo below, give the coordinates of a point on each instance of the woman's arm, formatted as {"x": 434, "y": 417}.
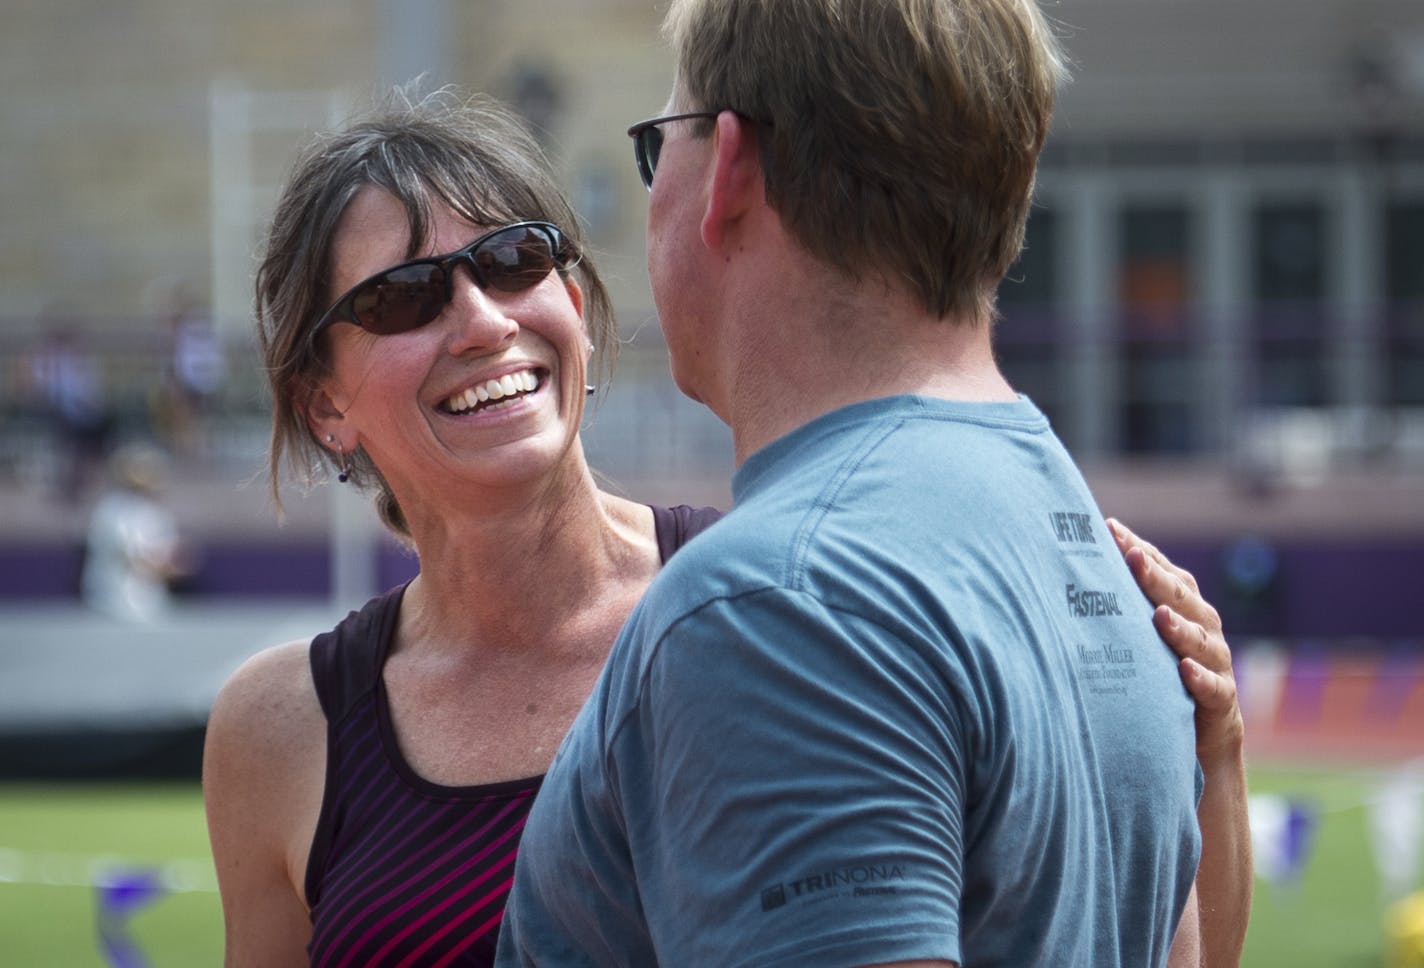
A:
{"x": 263, "y": 766}
{"x": 1192, "y": 629}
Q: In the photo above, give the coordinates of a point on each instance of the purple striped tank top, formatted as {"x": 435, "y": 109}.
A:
{"x": 404, "y": 871}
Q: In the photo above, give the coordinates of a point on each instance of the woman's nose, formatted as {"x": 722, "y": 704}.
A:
{"x": 477, "y": 318}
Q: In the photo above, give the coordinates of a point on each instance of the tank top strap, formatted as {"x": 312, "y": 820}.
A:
{"x": 347, "y": 661}
{"x": 679, "y": 524}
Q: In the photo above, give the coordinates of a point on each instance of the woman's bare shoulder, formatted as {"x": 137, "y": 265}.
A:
{"x": 263, "y": 768}
{"x": 270, "y": 699}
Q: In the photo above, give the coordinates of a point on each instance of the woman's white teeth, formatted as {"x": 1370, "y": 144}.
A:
{"x": 506, "y": 386}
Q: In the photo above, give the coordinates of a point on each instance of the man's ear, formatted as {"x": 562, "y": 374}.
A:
{"x": 736, "y": 183}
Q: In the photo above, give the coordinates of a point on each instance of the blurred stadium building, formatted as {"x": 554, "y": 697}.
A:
{"x": 1221, "y": 303}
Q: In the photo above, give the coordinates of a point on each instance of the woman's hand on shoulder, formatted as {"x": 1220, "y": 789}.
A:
{"x": 1191, "y": 627}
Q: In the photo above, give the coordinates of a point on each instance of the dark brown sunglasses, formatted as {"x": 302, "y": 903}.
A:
{"x": 407, "y": 296}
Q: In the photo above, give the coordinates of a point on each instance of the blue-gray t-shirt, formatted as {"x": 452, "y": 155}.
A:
{"x": 904, "y": 702}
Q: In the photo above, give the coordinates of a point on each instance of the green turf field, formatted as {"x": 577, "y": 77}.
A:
{"x": 54, "y": 840}
{"x": 1334, "y": 916}
{"x": 52, "y": 836}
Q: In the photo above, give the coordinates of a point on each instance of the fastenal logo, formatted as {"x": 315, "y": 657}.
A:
{"x": 863, "y": 880}
{"x": 1085, "y": 604}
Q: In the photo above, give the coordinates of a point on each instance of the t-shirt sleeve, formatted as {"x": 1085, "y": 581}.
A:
{"x": 792, "y": 782}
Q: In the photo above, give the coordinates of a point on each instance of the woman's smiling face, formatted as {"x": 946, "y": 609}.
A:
{"x": 488, "y": 393}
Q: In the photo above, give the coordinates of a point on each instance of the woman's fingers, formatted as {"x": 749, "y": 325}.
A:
{"x": 1219, "y": 725}
{"x": 1162, "y": 581}
{"x": 1191, "y": 627}
{"x": 1192, "y": 640}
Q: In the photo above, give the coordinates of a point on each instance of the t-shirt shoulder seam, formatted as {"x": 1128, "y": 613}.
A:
{"x": 825, "y": 500}
{"x": 657, "y": 647}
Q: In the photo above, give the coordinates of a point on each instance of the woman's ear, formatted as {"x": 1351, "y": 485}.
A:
{"x": 323, "y": 417}
{"x": 575, "y": 292}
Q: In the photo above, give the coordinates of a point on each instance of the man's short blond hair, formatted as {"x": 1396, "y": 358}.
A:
{"x": 899, "y": 137}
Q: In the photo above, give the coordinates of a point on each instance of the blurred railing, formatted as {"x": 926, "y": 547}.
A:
{"x": 1160, "y": 396}
{"x": 640, "y": 427}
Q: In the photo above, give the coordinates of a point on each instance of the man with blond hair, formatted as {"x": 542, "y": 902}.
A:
{"x": 904, "y": 703}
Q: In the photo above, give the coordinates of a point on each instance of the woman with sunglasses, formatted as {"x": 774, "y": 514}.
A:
{"x": 428, "y": 320}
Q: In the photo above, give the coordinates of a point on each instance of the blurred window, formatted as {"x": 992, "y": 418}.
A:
{"x": 1027, "y": 337}
{"x": 1404, "y": 289}
{"x": 1289, "y": 284}
{"x": 1157, "y": 329}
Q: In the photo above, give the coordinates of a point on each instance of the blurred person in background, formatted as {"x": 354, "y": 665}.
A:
{"x": 429, "y": 317}
{"x": 134, "y": 554}
{"x": 193, "y": 376}
{"x": 67, "y": 385}
{"x": 856, "y": 721}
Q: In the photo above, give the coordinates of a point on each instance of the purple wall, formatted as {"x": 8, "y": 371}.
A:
{"x": 1321, "y": 589}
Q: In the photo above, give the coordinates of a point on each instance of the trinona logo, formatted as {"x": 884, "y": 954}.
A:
{"x": 861, "y": 880}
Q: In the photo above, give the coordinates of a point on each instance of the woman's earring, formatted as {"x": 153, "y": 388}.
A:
{"x": 344, "y": 474}
{"x": 590, "y": 389}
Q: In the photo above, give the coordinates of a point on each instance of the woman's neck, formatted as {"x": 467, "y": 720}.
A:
{"x": 532, "y": 570}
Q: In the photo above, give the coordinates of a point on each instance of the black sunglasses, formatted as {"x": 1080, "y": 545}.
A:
{"x": 407, "y": 296}
{"x": 648, "y": 142}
